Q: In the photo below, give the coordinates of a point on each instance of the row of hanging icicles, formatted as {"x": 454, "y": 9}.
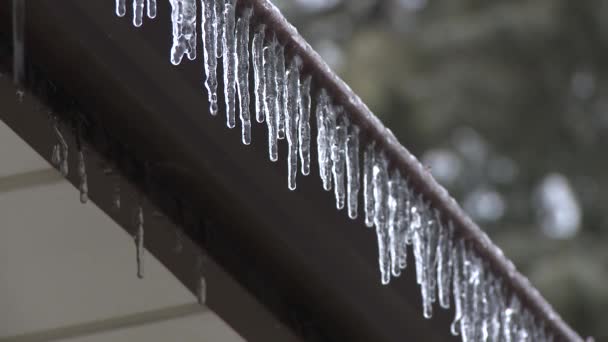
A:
{"x": 484, "y": 310}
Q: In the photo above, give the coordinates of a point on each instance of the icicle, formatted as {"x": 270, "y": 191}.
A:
{"x": 201, "y": 288}
{"x": 304, "y": 125}
{"x": 219, "y": 24}
{"x": 424, "y": 250}
{"x": 475, "y": 310}
{"x": 369, "y": 159}
{"x": 209, "y": 37}
{"x": 457, "y": 290}
{"x": 138, "y": 12}
{"x": 380, "y": 182}
{"x": 229, "y": 51}
{"x": 19, "y": 45}
{"x": 493, "y": 297}
{"x": 292, "y": 115}
{"x": 402, "y": 221}
{"x": 242, "y": 73}
{"x": 270, "y": 98}
{"x": 431, "y": 254}
{"x": 338, "y": 153}
{"x": 183, "y": 21}
{"x": 121, "y": 8}
{"x": 444, "y": 263}
{"x": 82, "y": 173}
{"x": 139, "y": 241}
{"x": 392, "y": 221}
{"x": 324, "y": 138}
{"x": 281, "y": 90}
{"x": 151, "y": 7}
{"x": 60, "y": 152}
{"x": 352, "y": 170}
{"x": 257, "y": 56}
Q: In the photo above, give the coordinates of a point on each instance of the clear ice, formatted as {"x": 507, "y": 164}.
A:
{"x": 183, "y": 21}
{"x": 380, "y": 190}
{"x": 352, "y": 170}
{"x": 292, "y": 114}
{"x": 209, "y": 37}
{"x": 242, "y": 73}
{"x": 257, "y": 57}
{"x": 338, "y": 123}
{"x": 304, "y": 125}
{"x": 369, "y": 157}
{"x": 82, "y": 173}
{"x": 324, "y": 137}
{"x": 270, "y": 97}
{"x": 229, "y": 61}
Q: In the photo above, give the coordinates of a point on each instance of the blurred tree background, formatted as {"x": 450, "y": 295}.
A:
{"x": 507, "y": 102}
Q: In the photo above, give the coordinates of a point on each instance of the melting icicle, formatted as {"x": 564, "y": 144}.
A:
{"x": 352, "y": 170}
{"x": 324, "y": 138}
{"x": 444, "y": 263}
{"x": 402, "y": 222}
{"x": 151, "y": 7}
{"x": 281, "y": 90}
{"x": 292, "y": 115}
{"x": 369, "y": 159}
{"x": 457, "y": 268}
{"x": 304, "y": 125}
{"x": 139, "y": 241}
{"x": 338, "y": 123}
{"x": 183, "y": 20}
{"x": 121, "y": 8}
{"x": 392, "y": 221}
{"x": 60, "y": 152}
{"x": 82, "y": 173}
{"x": 380, "y": 181}
{"x": 242, "y": 73}
{"x": 201, "y": 288}
{"x": 219, "y": 25}
{"x": 138, "y": 12}
{"x": 209, "y": 37}
{"x": 270, "y": 98}
{"x": 426, "y": 238}
{"x": 257, "y": 56}
{"x": 229, "y": 49}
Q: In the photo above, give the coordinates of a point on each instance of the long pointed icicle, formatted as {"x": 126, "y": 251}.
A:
{"x": 403, "y": 223}
{"x": 183, "y": 20}
{"x": 304, "y": 125}
{"x": 257, "y": 56}
{"x": 151, "y": 9}
{"x": 380, "y": 181}
{"x": 457, "y": 286}
{"x": 392, "y": 221}
{"x": 338, "y": 154}
{"x": 352, "y": 170}
{"x": 138, "y": 12}
{"x": 82, "y": 173}
{"x": 242, "y": 73}
{"x": 281, "y": 91}
{"x": 444, "y": 263}
{"x": 121, "y": 8}
{"x": 139, "y": 241}
{"x": 219, "y": 25}
{"x": 209, "y": 37}
{"x": 229, "y": 61}
{"x": 369, "y": 157}
{"x": 292, "y": 99}
{"x": 270, "y": 98}
{"x": 323, "y": 139}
